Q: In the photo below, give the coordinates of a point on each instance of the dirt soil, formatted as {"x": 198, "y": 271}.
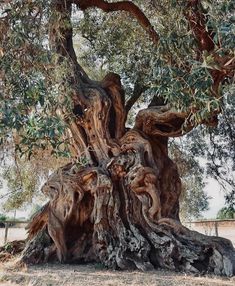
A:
{"x": 95, "y": 274}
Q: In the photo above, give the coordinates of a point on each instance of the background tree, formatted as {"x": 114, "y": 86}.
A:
{"x": 193, "y": 200}
{"x": 21, "y": 186}
{"x": 226, "y": 213}
{"x": 220, "y": 150}
{"x": 23, "y": 178}
{"x": 121, "y": 206}
{"x": 3, "y": 217}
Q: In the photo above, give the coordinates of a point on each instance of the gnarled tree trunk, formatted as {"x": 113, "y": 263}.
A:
{"x": 122, "y": 207}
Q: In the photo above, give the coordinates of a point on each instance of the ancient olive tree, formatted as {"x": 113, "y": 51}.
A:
{"x": 117, "y": 202}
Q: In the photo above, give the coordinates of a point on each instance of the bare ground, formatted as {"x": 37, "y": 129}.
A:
{"x": 95, "y": 274}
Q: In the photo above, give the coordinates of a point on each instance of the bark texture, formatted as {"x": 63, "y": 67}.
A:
{"x": 121, "y": 208}
{"x": 125, "y": 215}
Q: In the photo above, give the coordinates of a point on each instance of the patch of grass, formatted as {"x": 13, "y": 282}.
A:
{"x": 8, "y": 247}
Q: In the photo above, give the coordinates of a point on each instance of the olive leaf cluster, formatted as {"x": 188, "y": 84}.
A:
{"x": 33, "y": 86}
{"x": 170, "y": 70}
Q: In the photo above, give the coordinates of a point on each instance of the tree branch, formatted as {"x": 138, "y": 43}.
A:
{"x": 61, "y": 37}
{"x": 197, "y": 21}
{"x": 121, "y": 6}
{"x": 204, "y": 35}
{"x": 137, "y": 92}
{"x": 163, "y": 121}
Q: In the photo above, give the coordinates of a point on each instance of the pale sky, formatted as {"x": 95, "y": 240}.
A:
{"x": 217, "y": 200}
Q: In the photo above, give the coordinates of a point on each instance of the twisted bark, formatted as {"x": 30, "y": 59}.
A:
{"x": 124, "y": 215}
{"x": 122, "y": 209}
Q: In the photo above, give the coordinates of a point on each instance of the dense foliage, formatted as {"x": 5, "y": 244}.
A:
{"x": 226, "y": 213}
{"x": 31, "y": 95}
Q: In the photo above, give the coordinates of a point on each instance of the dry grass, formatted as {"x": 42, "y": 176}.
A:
{"x": 94, "y": 275}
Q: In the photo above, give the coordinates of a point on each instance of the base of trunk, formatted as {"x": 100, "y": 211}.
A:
{"x": 167, "y": 245}
{"x": 123, "y": 214}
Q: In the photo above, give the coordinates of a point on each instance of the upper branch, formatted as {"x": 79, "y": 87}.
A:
{"x": 204, "y": 35}
{"x": 163, "y": 121}
{"x": 197, "y": 20}
{"x": 61, "y": 36}
{"x": 121, "y": 6}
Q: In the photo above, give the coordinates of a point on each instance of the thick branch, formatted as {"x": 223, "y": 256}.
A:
{"x": 91, "y": 104}
{"x": 161, "y": 121}
{"x": 112, "y": 85}
{"x": 61, "y": 37}
{"x": 165, "y": 122}
{"x": 137, "y": 92}
{"x": 121, "y": 6}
